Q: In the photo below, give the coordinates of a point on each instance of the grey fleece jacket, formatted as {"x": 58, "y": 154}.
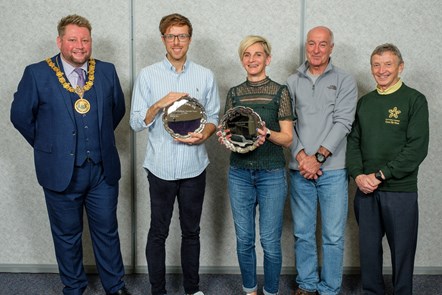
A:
{"x": 325, "y": 112}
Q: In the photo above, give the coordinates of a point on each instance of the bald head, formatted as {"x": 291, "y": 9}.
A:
{"x": 322, "y": 29}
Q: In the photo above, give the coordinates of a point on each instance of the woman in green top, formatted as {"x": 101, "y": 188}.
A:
{"x": 258, "y": 178}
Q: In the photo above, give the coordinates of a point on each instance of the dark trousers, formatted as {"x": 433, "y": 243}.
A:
{"x": 88, "y": 190}
{"x": 394, "y": 214}
{"x": 190, "y": 195}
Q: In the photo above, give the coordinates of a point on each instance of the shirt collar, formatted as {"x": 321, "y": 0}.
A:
{"x": 305, "y": 67}
{"x": 68, "y": 68}
{"x": 390, "y": 89}
{"x": 169, "y": 65}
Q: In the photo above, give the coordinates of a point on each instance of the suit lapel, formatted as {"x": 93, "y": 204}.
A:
{"x": 64, "y": 94}
{"x": 100, "y": 96}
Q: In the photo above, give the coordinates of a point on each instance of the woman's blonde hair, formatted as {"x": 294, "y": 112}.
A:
{"x": 252, "y": 39}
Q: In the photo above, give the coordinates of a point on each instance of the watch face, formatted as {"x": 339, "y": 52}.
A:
{"x": 378, "y": 176}
{"x": 320, "y": 157}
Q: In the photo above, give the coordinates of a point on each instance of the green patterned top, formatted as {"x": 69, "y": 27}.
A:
{"x": 273, "y": 104}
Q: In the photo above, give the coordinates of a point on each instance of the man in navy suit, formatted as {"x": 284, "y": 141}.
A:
{"x": 67, "y": 108}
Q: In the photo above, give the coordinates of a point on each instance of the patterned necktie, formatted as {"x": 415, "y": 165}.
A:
{"x": 80, "y": 81}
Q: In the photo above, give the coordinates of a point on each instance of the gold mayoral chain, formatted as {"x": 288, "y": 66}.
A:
{"x": 82, "y": 105}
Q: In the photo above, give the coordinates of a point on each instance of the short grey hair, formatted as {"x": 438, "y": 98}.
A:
{"x": 387, "y": 47}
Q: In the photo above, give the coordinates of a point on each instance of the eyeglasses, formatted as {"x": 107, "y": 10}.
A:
{"x": 171, "y": 37}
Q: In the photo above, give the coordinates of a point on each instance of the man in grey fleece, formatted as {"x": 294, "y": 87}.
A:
{"x": 324, "y": 99}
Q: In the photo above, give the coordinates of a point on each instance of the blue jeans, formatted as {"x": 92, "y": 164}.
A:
{"x": 268, "y": 189}
{"x": 330, "y": 192}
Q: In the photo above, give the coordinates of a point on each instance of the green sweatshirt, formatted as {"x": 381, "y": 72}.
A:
{"x": 390, "y": 133}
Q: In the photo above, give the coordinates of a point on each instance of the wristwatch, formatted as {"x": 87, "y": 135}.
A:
{"x": 320, "y": 157}
{"x": 268, "y": 133}
{"x": 378, "y": 176}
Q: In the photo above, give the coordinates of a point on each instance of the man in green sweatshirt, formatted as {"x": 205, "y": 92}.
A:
{"x": 388, "y": 142}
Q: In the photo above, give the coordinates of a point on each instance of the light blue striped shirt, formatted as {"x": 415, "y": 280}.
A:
{"x": 166, "y": 158}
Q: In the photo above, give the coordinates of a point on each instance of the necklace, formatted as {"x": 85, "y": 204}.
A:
{"x": 82, "y": 105}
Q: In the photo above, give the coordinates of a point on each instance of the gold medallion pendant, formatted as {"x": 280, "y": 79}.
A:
{"x": 82, "y": 106}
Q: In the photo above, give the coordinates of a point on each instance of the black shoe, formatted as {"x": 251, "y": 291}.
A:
{"x": 122, "y": 291}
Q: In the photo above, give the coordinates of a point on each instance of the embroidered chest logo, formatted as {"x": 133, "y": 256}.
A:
{"x": 393, "y": 117}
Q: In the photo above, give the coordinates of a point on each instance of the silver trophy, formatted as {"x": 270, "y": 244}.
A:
{"x": 184, "y": 116}
{"x": 238, "y": 129}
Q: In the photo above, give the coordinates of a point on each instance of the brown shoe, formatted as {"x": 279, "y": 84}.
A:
{"x": 299, "y": 291}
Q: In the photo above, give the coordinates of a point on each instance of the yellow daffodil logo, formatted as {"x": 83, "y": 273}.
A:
{"x": 394, "y": 113}
{"x": 393, "y": 116}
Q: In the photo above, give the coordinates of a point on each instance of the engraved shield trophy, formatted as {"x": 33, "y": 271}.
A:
{"x": 184, "y": 116}
{"x": 238, "y": 129}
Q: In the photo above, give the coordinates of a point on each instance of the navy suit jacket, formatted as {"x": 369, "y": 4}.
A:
{"x": 43, "y": 113}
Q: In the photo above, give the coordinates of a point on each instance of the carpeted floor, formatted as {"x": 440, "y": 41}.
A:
{"x": 49, "y": 284}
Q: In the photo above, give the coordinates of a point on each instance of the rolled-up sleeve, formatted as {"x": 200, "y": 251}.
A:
{"x": 212, "y": 106}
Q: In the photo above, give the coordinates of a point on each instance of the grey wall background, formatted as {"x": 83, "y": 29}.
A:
{"x": 126, "y": 33}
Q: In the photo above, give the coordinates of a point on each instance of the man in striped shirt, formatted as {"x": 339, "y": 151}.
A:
{"x": 175, "y": 167}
